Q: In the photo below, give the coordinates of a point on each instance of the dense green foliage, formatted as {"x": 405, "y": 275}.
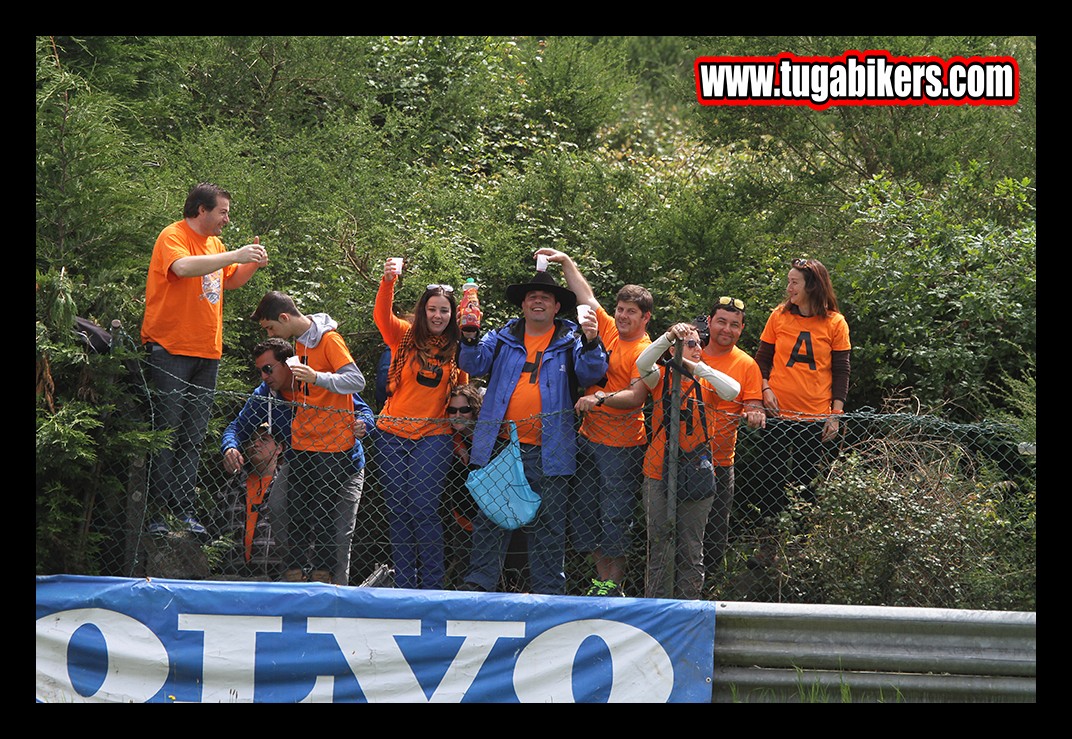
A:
{"x": 465, "y": 154}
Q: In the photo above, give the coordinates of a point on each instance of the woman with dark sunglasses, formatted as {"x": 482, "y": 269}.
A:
{"x": 463, "y": 407}
{"x": 803, "y": 356}
{"x": 414, "y": 446}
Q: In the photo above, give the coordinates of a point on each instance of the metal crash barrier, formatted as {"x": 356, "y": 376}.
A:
{"x": 789, "y": 653}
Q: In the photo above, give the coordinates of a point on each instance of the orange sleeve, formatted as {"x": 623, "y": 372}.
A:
{"x": 391, "y": 327}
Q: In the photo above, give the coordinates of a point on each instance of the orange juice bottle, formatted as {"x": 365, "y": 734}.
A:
{"x": 469, "y": 309}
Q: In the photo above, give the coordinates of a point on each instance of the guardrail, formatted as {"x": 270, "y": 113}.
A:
{"x": 791, "y": 653}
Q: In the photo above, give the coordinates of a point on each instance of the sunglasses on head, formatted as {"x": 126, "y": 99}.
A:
{"x": 444, "y": 288}
{"x": 267, "y": 369}
{"x": 726, "y": 302}
{"x": 451, "y": 410}
{"x": 802, "y": 263}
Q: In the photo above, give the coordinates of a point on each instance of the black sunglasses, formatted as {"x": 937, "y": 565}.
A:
{"x": 451, "y": 410}
{"x": 692, "y": 343}
{"x": 267, "y": 369}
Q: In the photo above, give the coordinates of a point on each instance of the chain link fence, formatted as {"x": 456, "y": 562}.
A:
{"x": 902, "y": 510}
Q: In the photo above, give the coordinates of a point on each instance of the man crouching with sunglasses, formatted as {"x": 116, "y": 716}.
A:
{"x": 271, "y": 405}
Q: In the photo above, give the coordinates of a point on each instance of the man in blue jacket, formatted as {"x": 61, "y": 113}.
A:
{"x": 271, "y": 404}
{"x": 533, "y": 364}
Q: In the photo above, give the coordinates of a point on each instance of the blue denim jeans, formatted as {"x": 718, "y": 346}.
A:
{"x": 604, "y": 497}
{"x": 414, "y": 473}
{"x": 546, "y": 535}
{"x": 181, "y": 403}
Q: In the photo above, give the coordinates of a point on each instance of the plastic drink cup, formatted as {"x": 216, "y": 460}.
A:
{"x": 293, "y": 361}
{"x": 583, "y": 311}
{"x": 394, "y": 266}
{"x": 541, "y": 262}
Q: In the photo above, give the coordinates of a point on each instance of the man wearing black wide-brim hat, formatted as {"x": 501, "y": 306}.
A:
{"x": 533, "y": 364}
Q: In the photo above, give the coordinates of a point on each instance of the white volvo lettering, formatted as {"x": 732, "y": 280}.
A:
{"x": 641, "y": 668}
{"x": 369, "y": 644}
{"x": 137, "y": 661}
{"x": 229, "y": 653}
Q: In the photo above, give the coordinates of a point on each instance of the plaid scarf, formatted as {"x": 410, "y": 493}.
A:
{"x": 426, "y": 356}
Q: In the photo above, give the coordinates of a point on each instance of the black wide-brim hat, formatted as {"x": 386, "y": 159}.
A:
{"x": 542, "y": 281}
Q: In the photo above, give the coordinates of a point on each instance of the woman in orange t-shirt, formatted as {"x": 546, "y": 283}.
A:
{"x": 415, "y": 443}
{"x": 803, "y": 356}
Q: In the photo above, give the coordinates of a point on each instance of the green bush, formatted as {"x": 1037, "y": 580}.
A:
{"x": 912, "y": 522}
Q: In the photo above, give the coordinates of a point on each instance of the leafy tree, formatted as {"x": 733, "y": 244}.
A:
{"x": 465, "y": 154}
{"x": 941, "y": 293}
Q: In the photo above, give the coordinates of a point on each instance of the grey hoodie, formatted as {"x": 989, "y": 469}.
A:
{"x": 348, "y": 379}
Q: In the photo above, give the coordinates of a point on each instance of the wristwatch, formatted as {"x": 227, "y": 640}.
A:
{"x": 601, "y": 398}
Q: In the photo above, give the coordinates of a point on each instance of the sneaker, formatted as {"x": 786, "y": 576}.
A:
{"x": 320, "y": 576}
{"x": 612, "y": 589}
{"x": 604, "y": 588}
{"x": 193, "y": 525}
{"x": 158, "y": 528}
{"x": 292, "y": 574}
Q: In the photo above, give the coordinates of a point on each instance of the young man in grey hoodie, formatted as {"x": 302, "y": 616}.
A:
{"x": 322, "y": 432}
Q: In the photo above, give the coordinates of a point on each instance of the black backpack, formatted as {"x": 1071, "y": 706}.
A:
{"x": 92, "y": 336}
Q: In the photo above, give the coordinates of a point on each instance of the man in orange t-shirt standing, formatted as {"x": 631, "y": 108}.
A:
{"x": 723, "y": 328}
{"x": 182, "y": 331}
{"x": 610, "y": 450}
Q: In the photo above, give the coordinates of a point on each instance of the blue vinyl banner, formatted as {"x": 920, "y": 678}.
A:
{"x": 109, "y": 639}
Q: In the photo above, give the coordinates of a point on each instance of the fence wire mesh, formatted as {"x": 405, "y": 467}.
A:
{"x": 902, "y": 510}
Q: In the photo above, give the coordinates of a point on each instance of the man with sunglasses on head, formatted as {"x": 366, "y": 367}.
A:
{"x": 271, "y": 406}
{"x": 723, "y": 328}
{"x": 611, "y": 443}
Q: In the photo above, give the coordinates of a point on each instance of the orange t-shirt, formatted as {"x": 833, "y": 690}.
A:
{"x": 418, "y": 406}
{"x": 184, "y": 314}
{"x": 801, "y": 375}
{"x": 525, "y": 403}
{"x": 691, "y": 434}
{"x": 620, "y": 427}
{"x": 256, "y": 487}
{"x": 723, "y": 415}
{"x": 323, "y": 420}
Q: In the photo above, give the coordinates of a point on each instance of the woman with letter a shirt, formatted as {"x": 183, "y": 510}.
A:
{"x": 804, "y": 359}
{"x": 415, "y": 444}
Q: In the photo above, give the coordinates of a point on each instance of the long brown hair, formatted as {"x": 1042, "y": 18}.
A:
{"x": 817, "y": 286}
{"x": 420, "y": 346}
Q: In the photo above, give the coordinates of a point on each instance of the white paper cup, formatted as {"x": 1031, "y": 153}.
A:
{"x": 394, "y": 266}
{"x": 541, "y": 262}
{"x": 292, "y": 361}
{"x": 583, "y": 311}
